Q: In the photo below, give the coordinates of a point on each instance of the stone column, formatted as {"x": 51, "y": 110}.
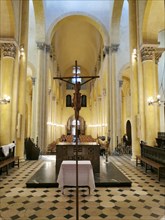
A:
{"x": 7, "y": 75}
{"x": 113, "y": 98}
{"x": 104, "y": 112}
{"x": 158, "y": 54}
{"x": 41, "y": 96}
{"x": 47, "y": 95}
{"x": 133, "y": 77}
{"x": 33, "y": 124}
{"x": 107, "y": 93}
{"x": 119, "y": 109}
{"x": 148, "y": 65}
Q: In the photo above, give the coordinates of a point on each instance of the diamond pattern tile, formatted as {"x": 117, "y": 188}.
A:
{"x": 144, "y": 200}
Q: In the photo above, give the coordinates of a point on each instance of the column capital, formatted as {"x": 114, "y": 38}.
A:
{"x": 43, "y": 46}
{"x": 106, "y": 50}
{"x": 8, "y": 50}
{"x": 158, "y": 54}
{"x": 114, "y": 47}
{"x": 40, "y": 45}
{"x": 120, "y": 83}
{"x": 33, "y": 80}
{"x": 148, "y": 51}
{"x": 48, "y": 48}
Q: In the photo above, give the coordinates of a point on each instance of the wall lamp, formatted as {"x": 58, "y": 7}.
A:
{"x": 22, "y": 50}
{"x": 5, "y": 100}
{"x": 152, "y": 101}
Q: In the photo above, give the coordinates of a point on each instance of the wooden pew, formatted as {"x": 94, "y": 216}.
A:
{"x": 151, "y": 157}
{"x": 6, "y": 162}
{"x": 149, "y": 164}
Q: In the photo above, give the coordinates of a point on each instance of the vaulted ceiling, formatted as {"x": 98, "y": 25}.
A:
{"x": 76, "y": 39}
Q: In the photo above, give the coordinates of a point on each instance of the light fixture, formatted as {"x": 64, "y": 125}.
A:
{"x": 158, "y": 101}
{"x": 22, "y": 50}
{"x": 134, "y": 53}
{"x": 5, "y": 99}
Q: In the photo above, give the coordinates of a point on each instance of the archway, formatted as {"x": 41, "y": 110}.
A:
{"x": 129, "y": 134}
{"x": 71, "y": 126}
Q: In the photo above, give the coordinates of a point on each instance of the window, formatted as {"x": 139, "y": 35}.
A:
{"x": 68, "y": 101}
{"x": 83, "y": 101}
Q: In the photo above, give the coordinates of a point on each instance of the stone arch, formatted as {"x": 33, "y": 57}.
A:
{"x": 126, "y": 66}
{"x": 115, "y": 23}
{"x": 153, "y": 10}
{"x": 40, "y": 20}
{"x": 7, "y": 14}
{"x": 90, "y": 19}
{"x": 31, "y": 70}
{"x": 129, "y": 132}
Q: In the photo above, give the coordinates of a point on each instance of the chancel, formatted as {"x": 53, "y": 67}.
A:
{"x": 82, "y": 109}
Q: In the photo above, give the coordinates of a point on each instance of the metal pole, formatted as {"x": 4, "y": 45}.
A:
{"x": 77, "y": 194}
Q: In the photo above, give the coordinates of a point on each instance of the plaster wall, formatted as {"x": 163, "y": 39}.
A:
{"x": 124, "y": 50}
{"x": 32, "y": 46}
{"x": 101, "y": 10}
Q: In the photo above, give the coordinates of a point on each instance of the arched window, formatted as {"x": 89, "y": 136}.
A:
{"x": 83, "y": 101}
{"x": 68, "y": 101}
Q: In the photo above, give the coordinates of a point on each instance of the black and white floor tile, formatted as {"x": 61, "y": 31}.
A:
{"x": 144, "y": 200}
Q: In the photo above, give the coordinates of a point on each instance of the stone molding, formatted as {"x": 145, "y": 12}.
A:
{"x": 120, "y": 83}
{"x": 151, "y": 52}
{"x": 114, "y": 48}
{"x": 33, "y": 80}
{"x": 106, "y": 50}
{"x": 147, "y": 53}
{"x": 158, "y": 54}
{"x": 42, "y": 46}
{"x": 8, "y": 50}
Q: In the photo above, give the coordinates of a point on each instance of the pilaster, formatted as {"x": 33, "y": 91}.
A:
{"x": 150, "y": 80}
{"x": 113, "y": 98}
{"x": 132, "y": 134}
{"x": 41, "y": 95}
{"x": 8, "y": 52}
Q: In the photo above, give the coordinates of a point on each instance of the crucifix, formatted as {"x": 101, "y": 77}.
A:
{"x": 77, "y": 106}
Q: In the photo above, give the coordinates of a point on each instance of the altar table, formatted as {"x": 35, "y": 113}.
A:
{"x": 67, "y": 174}
{"x": 86, "y": 151}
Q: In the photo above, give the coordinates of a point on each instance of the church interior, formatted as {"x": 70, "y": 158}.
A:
{"x": 82, "y": 81}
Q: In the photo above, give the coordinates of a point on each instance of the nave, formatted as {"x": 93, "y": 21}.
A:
{"x": 145, "y": 199}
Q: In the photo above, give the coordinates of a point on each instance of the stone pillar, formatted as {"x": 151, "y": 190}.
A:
{"x": 113, "y": 98}
{"x": 158, "y": 54}
{"x": 133, "y": 77}
{"x": 107, "y": 93}
{"x": 99, "y": 114}
{"x": 47, "y": 95}
{"x": 119, "y": 109}
{"x": 7, "y": 75}
{"x": 104, "y": 113}
{"x": 33, "y": 124}
{"x": 41, "y": 81}
{"x": 148, "y": 65}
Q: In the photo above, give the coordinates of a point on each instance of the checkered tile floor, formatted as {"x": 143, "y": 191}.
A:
{"x": 145, "y": 200}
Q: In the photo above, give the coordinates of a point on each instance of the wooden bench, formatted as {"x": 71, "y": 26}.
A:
{"x": 151, "y": 164}
{"x": 5, "y": 163}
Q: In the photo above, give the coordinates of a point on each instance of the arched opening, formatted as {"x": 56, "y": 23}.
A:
{"x": 71, "y": 126}
{"x": 68, "y": 101}
{"x": 129, "y": 135}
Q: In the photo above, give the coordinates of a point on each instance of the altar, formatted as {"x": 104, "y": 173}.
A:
{"x": 86, "y": 151}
